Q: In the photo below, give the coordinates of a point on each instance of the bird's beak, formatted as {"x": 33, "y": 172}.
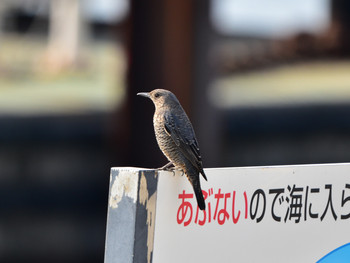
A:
{"x": 144, "y": 94}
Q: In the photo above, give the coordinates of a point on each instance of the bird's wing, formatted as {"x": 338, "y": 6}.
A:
{"x": 184, "y": 139}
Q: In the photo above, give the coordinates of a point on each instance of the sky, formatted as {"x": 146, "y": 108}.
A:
{"x": 257, "y": 18}
{"x": 270, "y": 18}
{"x": 107, "y": 10}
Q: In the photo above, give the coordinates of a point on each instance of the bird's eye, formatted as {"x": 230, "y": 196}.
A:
{"x": 157, "y": 95}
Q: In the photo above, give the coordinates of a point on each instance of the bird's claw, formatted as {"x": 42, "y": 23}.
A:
{"x": 173, "y": 169}
{"x": 167, "y": 167}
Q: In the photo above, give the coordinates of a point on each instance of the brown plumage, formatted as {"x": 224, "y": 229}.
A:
{"x": 176, "y": 138}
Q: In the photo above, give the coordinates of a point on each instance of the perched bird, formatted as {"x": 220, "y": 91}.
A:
{"x": 176, "y": 138}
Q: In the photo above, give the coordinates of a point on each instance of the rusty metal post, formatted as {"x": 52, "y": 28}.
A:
{"x": 160, "y": 51}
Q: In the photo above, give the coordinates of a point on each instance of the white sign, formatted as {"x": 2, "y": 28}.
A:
{"x": 256, "y": 214}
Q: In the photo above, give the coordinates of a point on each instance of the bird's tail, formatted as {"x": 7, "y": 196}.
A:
{"x": 203, "y": 174}
{"x": 199, "y": 195}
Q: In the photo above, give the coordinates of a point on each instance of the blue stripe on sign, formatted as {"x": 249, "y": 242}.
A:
{"x": 338, "y": 255}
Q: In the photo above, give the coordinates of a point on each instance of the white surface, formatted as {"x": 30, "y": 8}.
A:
{"x": 247, "y": 240}
{"x": 125, "y": 184}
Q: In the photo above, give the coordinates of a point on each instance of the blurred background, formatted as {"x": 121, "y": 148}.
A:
{"x": 265, "y": 82}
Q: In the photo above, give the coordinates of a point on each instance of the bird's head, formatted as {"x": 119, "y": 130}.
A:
{"x": 160, "y": 97}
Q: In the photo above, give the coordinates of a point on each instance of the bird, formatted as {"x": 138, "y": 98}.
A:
{"x": 176, "y": 138}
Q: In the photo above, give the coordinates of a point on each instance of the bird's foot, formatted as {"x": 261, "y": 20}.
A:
{"x": 167, "y": 167}
{"x": 172, "y": 169}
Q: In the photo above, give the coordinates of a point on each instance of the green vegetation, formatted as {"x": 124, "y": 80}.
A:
{"x": 29, "y": 86}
